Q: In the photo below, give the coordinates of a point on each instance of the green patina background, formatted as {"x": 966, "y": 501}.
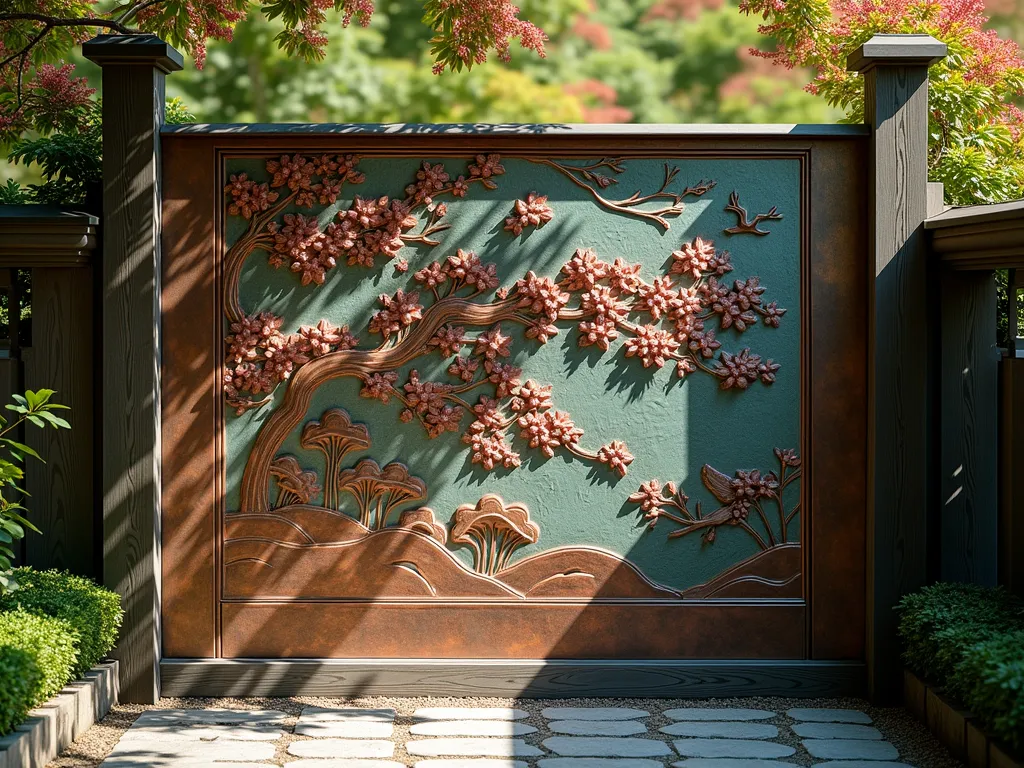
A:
{"x": 672, "y": 427}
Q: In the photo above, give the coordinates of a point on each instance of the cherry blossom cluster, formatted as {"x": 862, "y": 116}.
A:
{"x": 259, "y": 356}
{"x": 673, "y": 315}
{"x": 531, "y": 212}
{"x": 739, "y": 497}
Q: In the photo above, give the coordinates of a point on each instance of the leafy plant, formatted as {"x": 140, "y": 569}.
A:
{"x": 33, "y": 408}
{"x": 70, "y": 162}
{"x": 37, "y": 656}
{"x": 93, "y": 612}
{"x": 991, "y": 677}
{"x": 938, "y": 623}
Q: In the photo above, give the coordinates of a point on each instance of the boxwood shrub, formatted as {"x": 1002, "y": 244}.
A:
{"x": 37, "y": 656}
{"x": 991, "y": 676}
{"x": 939, "y": 623}
{"x": 93, "y": 612}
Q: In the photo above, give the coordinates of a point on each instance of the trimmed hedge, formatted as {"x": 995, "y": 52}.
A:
{"x": 992, "y": 678}
{"x": 94, "y": 613}
{"x": 940, "y": 622}
{"x": 37, "y": 656}
{"x": 969, "y": 640}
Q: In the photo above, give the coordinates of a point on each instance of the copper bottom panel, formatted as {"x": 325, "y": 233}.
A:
{"x": 531, "y": 631}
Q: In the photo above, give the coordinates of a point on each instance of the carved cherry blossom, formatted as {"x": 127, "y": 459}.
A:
{"x": 494, "y": 530}
{"x": 493, "y": 344}
{"x": 490, "y": 449}
{"x": 604, "y": 302}
{"x": 430, "y": 180}
{"x": 504, "y": 376}
{"x": 335, "y": 436}
{"x": 323, "y": 337}
{"x": 547, "y": 430}
{"x": 422, "y": 520}
{"x": 379, "y": 386}
{"x": 739, "y": 370}
{"x": 448, "y": 340}
{"x": 541, "y": 296}
{"x": 487, "y": 166}
{"x": 248, "y": 197}
{"x": 295, "y": 485}
{"x": 532, "y": 396}
{"x": 534, "y": 211}
{"x": 379, "y": 492}
{"x": 658, "y": 298}
{"x": 464, "y": 368}
{"x": 541, "y": 330}
{"x": 600, "y": 331}
{"x": 584, "y": 270}
{"x": 624, "y": 277}
{"x": 693, "y": 259}
{"x": 616, "y": 456}
{"x": 400, "y": 311}
{"x": 773, "y": 314}
{"x": 652, "y": 345}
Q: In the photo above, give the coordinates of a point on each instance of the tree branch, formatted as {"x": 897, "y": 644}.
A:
{"x": 55, "y": 21}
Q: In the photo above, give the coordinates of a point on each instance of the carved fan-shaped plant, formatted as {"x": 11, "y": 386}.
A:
{"x": 423, "y": 520}
{"x": 335, "y": 436}
{"x": 494, "y": 531}
{"x": 379, "y": 492}
{"x": 295, "y": 485}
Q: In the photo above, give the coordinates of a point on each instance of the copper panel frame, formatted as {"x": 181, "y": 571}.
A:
{"x": 827, "y": 623}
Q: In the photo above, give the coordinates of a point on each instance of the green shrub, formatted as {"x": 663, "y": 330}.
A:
{"x": 37, "y": 656}
{"x": 991, "y": 675}
{"x": 940, "y": 622}
{"x": 93, "y": 612}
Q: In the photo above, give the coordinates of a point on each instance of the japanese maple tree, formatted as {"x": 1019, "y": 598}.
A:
{"x": 39, "y": 92}
{"x": 976, "y": 145}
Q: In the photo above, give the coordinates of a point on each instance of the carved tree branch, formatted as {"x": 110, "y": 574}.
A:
{"x": 746, "y": 226}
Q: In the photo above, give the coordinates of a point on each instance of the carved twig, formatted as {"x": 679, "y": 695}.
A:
{"x": 746, "y": 226}
{"x": 580, "y": 175}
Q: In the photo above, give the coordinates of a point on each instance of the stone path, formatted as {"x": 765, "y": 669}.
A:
{"x": 492, "y": 737}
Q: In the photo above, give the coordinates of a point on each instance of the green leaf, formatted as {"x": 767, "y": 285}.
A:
{"x": 20, "y": 447}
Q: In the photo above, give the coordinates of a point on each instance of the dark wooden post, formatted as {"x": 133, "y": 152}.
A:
{"x": 134, "y": 67}
{"x": 895, "y": 69}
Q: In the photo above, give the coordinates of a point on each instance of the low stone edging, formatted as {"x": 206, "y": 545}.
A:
{"x": 50, "y": 728}
{"x": 954, "y": 726}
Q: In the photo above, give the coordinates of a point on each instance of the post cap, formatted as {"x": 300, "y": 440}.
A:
{"x": 896, "y": 50}
{"x": 133, "y": 49}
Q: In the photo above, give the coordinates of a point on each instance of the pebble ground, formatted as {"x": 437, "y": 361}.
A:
{"x": 915, "y": 746}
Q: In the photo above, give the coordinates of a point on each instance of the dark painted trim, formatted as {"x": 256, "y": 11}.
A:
{"x": 539, "y": 679}
{"x": 546, "y": 129}
{"x": 979, "y": 237}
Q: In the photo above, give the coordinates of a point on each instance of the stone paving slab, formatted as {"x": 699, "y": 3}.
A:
{"x": 211, "y": 716}
{"x": 468, "y": 713}
{"x": 186, "y": 753}
{"x": 593, "y": 713}
{"x": 835, "y": 731}
{"x": 598, "y": 727}
{"x": 728, "y": 762}
{"x": 353, "y": 762}
{"x": 829, "y": 715}
{"x": 346, "y": 729}
{"x": 480, "y": 762}
{"x": 699, "y": 713}
{"x": 597, "y": 762}
{"x": 862, "y": 764}
{"x": 597, "y": 746}
{"x": 186, "y": 733}
{"x": 733, "y": 730}
{"x": 341, "y": 748}
{"x": 850, "y": 749}
{"x": 472, "y": 748}
{"x": 313, "y": 714}
{"x": 763, "y": 750}
{"x": 471, "y": 728}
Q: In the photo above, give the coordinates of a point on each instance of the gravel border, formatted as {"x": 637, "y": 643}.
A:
{"x": 916, "y": 745}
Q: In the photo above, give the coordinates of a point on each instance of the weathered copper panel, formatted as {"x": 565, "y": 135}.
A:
{"x": 314, "y": 521}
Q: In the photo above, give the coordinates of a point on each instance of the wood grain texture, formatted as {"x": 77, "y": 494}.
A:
{"x": 899, "y": 399}
{"x": 191, "y": 396}
{"x": 536, "y": 679}
{"x": 1011, "y": 474}
{"x": 132, "y": 111}
{"x": 969, "y": 419}
{"x": 61, "y": 357}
